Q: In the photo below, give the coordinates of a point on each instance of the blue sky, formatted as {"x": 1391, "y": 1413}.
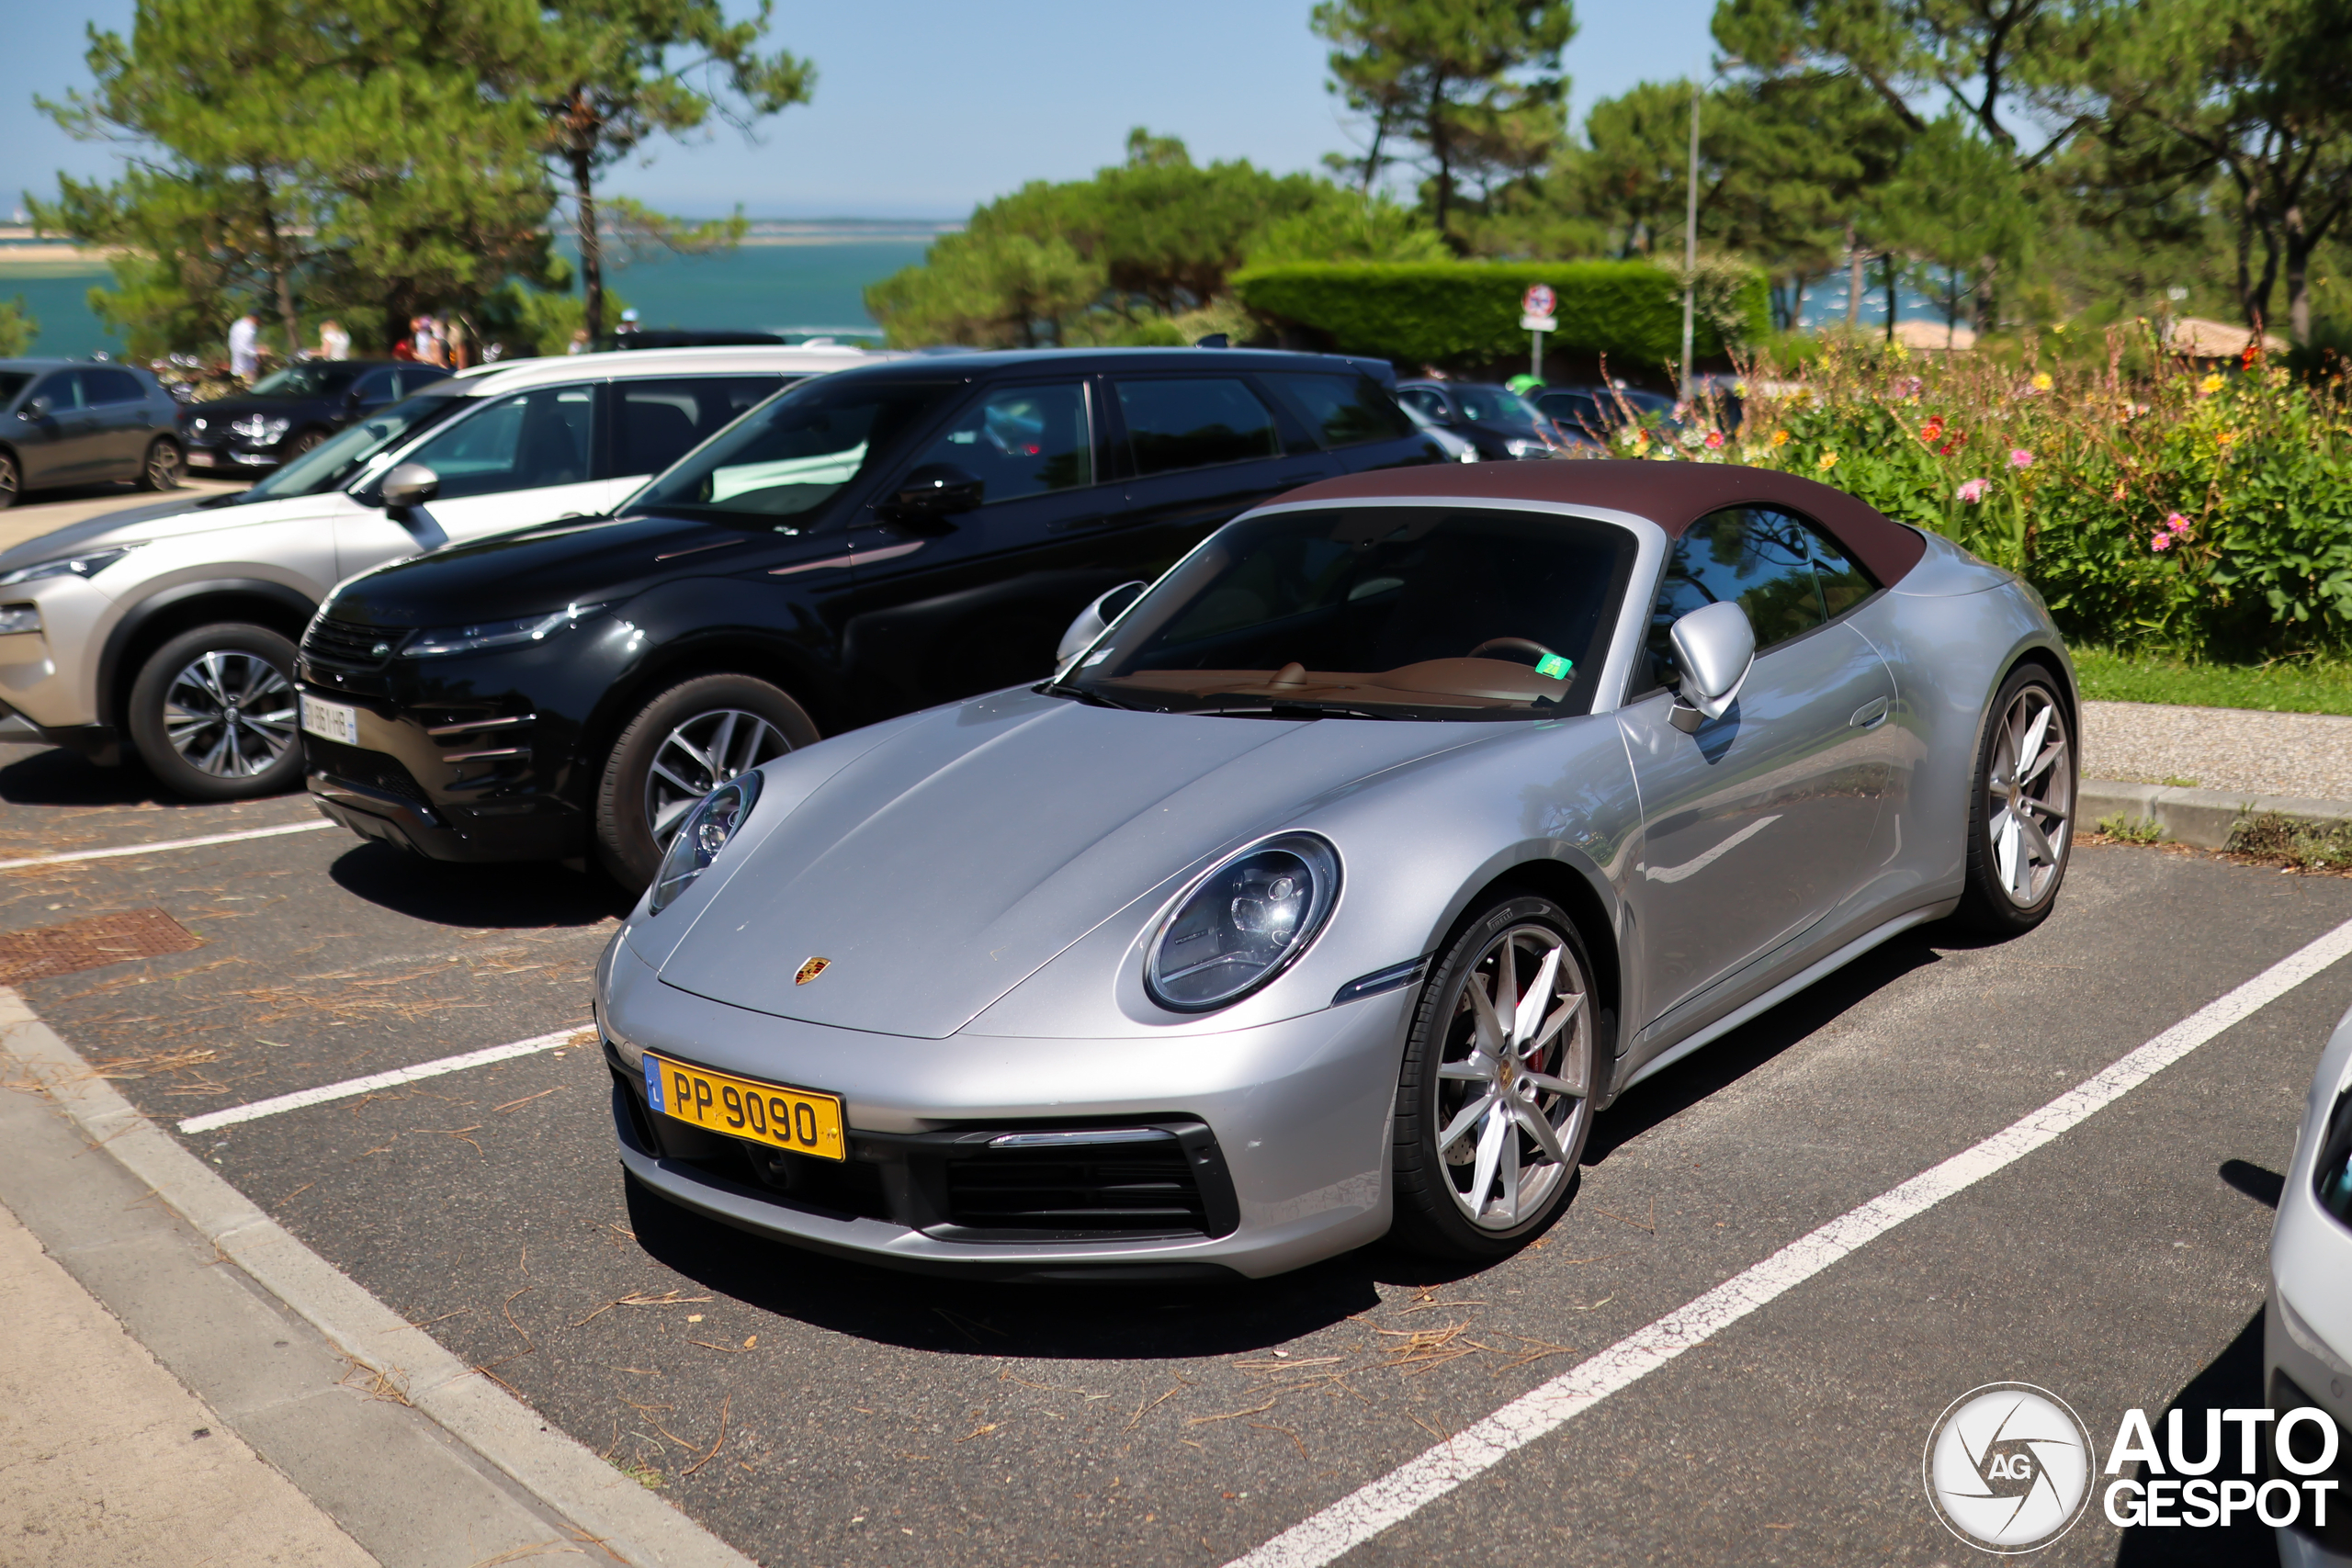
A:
{"x": 924, "y": 107}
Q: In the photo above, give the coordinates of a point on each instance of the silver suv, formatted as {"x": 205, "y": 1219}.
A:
{"x": 168, "y": 632}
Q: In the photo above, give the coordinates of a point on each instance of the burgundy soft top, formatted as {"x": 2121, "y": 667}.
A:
{"x": 1673, "y": 495}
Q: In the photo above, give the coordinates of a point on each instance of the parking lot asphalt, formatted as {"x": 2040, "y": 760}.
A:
{"x": 815, "y": 1412}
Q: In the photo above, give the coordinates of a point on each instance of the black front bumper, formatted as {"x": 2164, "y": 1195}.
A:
{"x": 958, "y": 1185}
{"x": 554, "y": 832}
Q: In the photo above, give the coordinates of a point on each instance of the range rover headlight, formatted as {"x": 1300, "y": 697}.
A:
{"x": 706, "y": 831}
{"x": 1243, "y": 923}
{"x": 482, "y": 635}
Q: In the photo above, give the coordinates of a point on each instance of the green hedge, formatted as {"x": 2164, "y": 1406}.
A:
{"x": 1467, "y": 313}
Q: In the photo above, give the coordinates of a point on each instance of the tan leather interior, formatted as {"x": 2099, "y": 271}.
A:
{"x": 1467, "y": 683}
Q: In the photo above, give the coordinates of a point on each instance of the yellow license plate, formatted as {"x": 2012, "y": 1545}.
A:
{"x": 795, "y": 1119}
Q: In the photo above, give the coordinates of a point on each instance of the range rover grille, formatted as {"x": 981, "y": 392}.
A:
{"x": 346, "y": 645}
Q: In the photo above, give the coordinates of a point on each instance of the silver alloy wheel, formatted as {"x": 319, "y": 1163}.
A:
{"x": 229, "y": 713}
{"x": 1514, "y": 1078}
{"x": 2029, "y": 797}
{"x": 163, "y": 466}
{"x": 698, "y": 756}
{"x": 7, "y": 481}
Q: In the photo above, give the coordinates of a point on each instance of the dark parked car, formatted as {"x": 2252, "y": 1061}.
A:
{"x": 1499, "y": 422}
{"x": 291, "y": 411}
{"x": 63, "y": 422}
{"x": 1598, "y": 412}
{"x": 870, "y": 542}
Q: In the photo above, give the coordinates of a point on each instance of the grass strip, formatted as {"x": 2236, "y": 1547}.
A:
{"x": 2286, "y": 687}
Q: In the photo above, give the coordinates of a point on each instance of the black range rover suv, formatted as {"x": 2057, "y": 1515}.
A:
{"x": 868, "y": 543}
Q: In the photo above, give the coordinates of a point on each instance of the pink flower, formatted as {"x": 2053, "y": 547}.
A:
{"x": 2021, "y": 459}
{"x": 1974, "y": 490}
{"x": 2177, "y": 525}
{"x": 1715, "y": 440}
{"x": 2160, "y": 542}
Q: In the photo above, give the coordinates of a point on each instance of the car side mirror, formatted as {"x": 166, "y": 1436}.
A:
{"x": 1715, "y": 648}
{"x": 1094, "y": 620}
{"x": 405, "y": 490}
{"x": 411, "y": 484}
{"x": 37, "y": 409}
{"x": 934, "y": 492}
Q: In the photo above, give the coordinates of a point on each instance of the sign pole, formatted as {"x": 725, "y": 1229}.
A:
{"x": 1536, "y": 318}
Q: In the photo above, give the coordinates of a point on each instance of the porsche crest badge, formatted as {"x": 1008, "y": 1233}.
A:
{"x": 811, "y": 969}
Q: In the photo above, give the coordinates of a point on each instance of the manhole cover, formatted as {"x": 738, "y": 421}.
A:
{"x": 88, "y": 944}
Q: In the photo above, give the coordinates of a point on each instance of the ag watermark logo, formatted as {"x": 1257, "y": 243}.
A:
{"x": 2008, "y": 1467}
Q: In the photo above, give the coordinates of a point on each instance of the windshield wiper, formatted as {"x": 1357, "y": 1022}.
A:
{"x": 1090, "y": 698}
{"x": 1296, "y": 710}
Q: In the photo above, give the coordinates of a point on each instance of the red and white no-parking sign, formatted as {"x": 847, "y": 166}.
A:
{"x": 1538, "y": 300}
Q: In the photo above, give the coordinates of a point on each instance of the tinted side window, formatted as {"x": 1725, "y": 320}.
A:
{"x": 1426, "y": 402}
{"x": 1022, "y": 441}
{"x": 524, "y": 442}
{"x": 661, "y": 420}
{"x": 1194, "y": 423}
{"x": 1844, "y": 584}
{"x": 111, "y": 386}
{"x": 1346, "y": 411}
{"x": 1753, "y": 555}
{"x": 374, "y": 387}
{"x": 418, "y": 376}
{"x": 63, "y": 390}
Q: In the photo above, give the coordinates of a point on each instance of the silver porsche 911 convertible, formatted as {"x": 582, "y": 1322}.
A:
{"x": 1338, "y": 879}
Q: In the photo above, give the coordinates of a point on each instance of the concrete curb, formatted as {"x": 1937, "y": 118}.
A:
{"x": 2201, "y": 818}
{"x": 563, "y": 1475}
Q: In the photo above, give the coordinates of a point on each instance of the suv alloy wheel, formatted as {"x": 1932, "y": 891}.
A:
{"x": 213, "y": 714}
{"x": 681, "y": 745}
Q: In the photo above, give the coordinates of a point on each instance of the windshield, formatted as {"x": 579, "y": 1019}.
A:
{"x": 782, "y": 462}
{"x": 308, "y": 380}
{"x": 1493, "y": 405}
{"x": 365, "y": 446}
{"x": 1405, "y": 612}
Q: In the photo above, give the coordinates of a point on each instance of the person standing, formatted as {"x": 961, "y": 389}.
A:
{"x": 245, "y": 347}
{"x": 334, "y": 342}
{"x": 578, "y": 341}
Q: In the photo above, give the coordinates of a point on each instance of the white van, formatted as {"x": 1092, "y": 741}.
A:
{"x": 168, "y": 631}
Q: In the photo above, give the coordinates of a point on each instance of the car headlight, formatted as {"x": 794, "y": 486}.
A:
{"x": 705, "y": 832}
{"x": 266, "y": 430}
{"x": 1523, "y": 448}
{"x": 1243, "y": 923}
{"x": 496, "y": 634}
{"x": 1469, "y": 455}
{"x": 89, "y": 565}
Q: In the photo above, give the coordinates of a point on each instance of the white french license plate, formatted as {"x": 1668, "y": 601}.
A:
{"x": 331, "y": 721}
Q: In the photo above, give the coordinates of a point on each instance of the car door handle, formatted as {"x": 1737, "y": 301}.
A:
{"x": 1869, "y": 713}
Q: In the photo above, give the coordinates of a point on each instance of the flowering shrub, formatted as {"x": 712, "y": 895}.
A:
{"x": 2207, "y": 514}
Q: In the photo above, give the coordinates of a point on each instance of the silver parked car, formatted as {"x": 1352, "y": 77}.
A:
{"x": 1335, "y": 883}
{"x": 2307, "y": 1329}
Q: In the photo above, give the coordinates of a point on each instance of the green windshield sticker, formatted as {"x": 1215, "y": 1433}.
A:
{"x": 1553, "y": 666}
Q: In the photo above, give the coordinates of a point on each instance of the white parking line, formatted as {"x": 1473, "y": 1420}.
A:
{"x": 167, "y": 844}
{"x": 1362, "y": 1514}
{"x": 373, "y": 1081}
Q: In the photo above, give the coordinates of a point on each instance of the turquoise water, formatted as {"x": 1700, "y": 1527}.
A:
{"x": 798, "y": 286}
{"x": 766, "y": 288}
